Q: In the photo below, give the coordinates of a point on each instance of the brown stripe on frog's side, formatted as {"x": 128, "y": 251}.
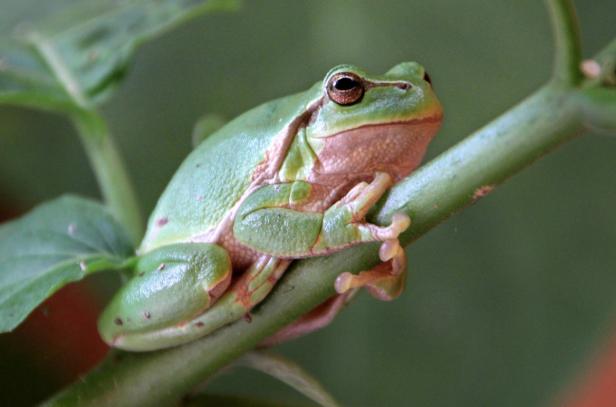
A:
{"x": 266, "y": 172}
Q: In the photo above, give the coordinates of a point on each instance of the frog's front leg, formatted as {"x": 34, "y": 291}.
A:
{"x": 266, "y": 225}
{"x": 346, "y": 217}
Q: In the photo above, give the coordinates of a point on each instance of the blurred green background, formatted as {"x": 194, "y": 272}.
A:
{"x": 508, "y": 302}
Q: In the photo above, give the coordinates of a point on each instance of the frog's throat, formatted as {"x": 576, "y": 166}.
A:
{"x": 266, "y": 172}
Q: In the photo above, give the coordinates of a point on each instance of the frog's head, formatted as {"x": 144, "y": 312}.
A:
{"x": 366, "y": 123}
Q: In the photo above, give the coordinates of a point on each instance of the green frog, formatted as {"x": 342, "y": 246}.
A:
{"x": 292, "y": 178}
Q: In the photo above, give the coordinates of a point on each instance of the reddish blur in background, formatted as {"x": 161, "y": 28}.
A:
{"x": 510, "y": 303}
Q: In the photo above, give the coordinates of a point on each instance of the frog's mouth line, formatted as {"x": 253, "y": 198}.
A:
{"x": 435, "y": 119}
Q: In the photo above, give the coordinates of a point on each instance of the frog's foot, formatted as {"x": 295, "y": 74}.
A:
{"x": 399, "y": 223}
{"x": 318, "y": 318}
{"x": 249, "y": 290}
{"x": 363, "y": 196}
{"x": 354, "y": 193}
{"x": 386, "y": 280}
{"x": 344, "y": 224}
{"x": 254, "y": 285}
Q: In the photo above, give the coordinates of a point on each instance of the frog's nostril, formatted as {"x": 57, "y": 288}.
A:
{"x": 403, "y": 85}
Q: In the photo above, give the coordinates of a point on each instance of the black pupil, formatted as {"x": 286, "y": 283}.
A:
{"x": 345, "y": 84}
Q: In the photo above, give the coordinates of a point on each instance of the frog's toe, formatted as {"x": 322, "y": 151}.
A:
{"x": 389, "y": 249}
{"x": 354, "y": 193}
{"x": 399, "y": 223}
{"x": 384, "y": 282}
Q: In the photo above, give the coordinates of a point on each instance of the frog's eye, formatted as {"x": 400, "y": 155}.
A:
{"x": 427, "y": 78}
{"x": 345, "y": 88}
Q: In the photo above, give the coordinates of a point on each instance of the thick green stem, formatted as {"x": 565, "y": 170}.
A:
{"x": 110, "y": 173}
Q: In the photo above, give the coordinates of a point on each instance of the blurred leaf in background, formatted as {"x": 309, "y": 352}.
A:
{"x": 77, "y": 54}
{"x": 506, "y": 302}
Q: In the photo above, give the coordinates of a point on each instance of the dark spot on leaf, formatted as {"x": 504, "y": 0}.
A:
{"x": 162, "y": 222}
{"x": 147, "y": 315}
{"x": 118, "y": 321}
{"x": 199, "y": 324}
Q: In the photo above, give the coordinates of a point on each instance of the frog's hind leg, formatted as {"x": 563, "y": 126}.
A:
{"x": 249, "y": 290}
{"x": 318, "y": 318}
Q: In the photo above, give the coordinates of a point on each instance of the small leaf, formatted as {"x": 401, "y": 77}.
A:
{"x": 56, "y": 243}
{"x": 82, "y": 53}
{"x": 290, "y": 373}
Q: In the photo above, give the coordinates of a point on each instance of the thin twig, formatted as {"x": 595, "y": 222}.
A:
{"x": 568, "y": 52}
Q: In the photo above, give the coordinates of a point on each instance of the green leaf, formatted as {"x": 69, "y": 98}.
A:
{"x": 79, "y": 56}
{"x": 290, "y": 373}
{"x": 56, "y": 243}
{"x": 25, "y": 80}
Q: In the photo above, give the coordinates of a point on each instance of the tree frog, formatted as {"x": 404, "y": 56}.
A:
{"x": 289, "y": 179}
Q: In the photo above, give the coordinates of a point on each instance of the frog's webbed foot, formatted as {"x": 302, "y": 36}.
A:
{"x": 363, "y": 196}
{"x": 249, "y": 290}
{"x": 344, "y": 224}
{"x": 384, "y": 281}
{"x": 399, "y": 223}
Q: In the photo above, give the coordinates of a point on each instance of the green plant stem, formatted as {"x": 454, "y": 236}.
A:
{"x": 566, "y": 35}
{"x": 458, "y": 177}
{"x": 110, "y": 173}
{"x": 108, "y": 167}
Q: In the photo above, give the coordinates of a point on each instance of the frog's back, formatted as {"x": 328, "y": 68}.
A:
{"x": 215, "y": 175}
